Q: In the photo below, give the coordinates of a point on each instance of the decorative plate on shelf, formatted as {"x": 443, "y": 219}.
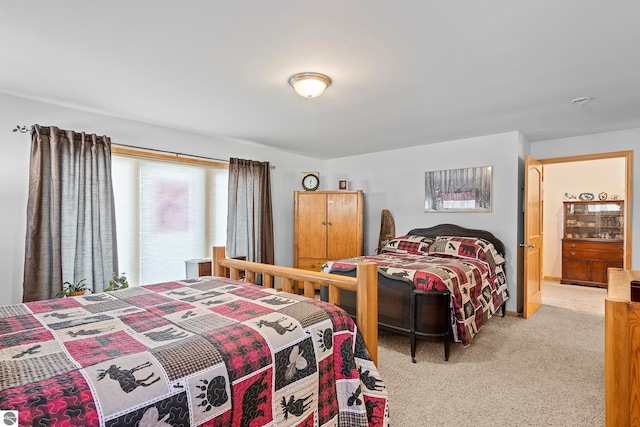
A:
{"x": 586, "y": 196}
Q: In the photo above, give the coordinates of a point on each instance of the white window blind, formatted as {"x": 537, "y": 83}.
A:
{"x": 167, "y": 212}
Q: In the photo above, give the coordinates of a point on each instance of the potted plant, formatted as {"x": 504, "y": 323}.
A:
{"x": 117, "y": 282}
{"x": 72, "y": 289}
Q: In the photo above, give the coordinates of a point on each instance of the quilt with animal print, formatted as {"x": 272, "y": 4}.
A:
{"x": 477, "y": 289}
{"x": 206, "y": 351}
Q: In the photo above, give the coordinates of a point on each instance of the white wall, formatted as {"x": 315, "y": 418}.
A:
{"x": 391, "y": 180}
{"x": 395, "y": 180}
{"x": 602, "y": 143}
{"x": 590, "y": 176}
{"x": 14, "y": 168}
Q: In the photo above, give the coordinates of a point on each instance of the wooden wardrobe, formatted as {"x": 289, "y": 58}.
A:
{"x": 328, "y": 225}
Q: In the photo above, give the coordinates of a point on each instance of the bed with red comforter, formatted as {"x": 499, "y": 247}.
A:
{"x": 464, "y": 265}
{"x": 206, "y": 351}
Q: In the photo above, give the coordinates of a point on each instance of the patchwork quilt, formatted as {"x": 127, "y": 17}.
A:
{"x": 206, "y": 351}
{"x": 477, "y": 288}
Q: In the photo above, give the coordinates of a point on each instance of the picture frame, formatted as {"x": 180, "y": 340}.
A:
{"x": 458, "y": 190}
{"x": 343, "y": 184}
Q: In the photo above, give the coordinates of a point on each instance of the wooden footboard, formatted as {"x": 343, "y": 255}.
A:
{"x": 365, "y": 284}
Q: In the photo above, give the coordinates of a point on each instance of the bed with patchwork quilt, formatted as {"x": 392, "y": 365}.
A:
{"x": 443, "y": 282}
{"x": 207, "y": 351}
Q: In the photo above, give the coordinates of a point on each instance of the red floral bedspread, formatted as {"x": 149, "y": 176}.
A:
{"x": 206, "y": 351}
{"x": 476, "y": 294}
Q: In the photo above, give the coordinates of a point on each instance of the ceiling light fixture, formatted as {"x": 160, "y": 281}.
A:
{"x": 309, "y": 85}
{"x": 582, "y": 100}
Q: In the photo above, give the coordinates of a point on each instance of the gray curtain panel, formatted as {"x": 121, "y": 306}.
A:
{"x": 250, "y": 213}
{"x": 70, "y": 213}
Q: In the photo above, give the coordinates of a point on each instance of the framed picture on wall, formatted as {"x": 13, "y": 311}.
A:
{"x": 342, "y": 184}
{"x": 458, "y": 190}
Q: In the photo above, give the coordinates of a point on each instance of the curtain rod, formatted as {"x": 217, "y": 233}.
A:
{"x": 24, "y": 129}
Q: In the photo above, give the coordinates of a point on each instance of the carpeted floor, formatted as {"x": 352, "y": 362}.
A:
{"x": 587, "y": 299}
{"x": 544, "y": 371}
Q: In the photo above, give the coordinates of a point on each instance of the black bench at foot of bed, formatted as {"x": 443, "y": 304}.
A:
{"x": 416, "y": 313}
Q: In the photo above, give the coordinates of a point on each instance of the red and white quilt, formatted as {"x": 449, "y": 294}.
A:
{"x": 205, "y": 351}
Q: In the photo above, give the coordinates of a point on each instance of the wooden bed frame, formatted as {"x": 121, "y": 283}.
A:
{"x": 417, "y": 313}
{"x": 364, "y": 286}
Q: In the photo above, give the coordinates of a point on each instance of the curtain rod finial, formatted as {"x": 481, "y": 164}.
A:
{"x": 21, "y": 129}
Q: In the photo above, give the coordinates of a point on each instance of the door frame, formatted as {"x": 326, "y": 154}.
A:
{"x": 628, "y": 156}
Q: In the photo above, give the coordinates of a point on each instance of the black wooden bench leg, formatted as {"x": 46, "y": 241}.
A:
{"x": 503, "y": 308}
{"x": 413, "y": 347}
{"x": 412, "y": 328}
{"x": 447, "y": 344}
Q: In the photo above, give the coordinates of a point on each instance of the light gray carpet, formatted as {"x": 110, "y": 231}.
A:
{"x": 544, "y": 371}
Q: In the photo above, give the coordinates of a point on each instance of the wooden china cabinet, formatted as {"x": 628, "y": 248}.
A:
{"x": 593, "y": 241}
{"x": 328, "y": 225}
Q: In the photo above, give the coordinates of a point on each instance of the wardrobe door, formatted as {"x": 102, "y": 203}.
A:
{"x": 310, "y": 225}
{"x": 344, "y": 225}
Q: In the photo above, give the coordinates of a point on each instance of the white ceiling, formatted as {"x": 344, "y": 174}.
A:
{"x": 405, "y": 73}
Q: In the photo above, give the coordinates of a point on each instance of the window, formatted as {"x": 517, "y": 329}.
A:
{"x": 169, "y": 209}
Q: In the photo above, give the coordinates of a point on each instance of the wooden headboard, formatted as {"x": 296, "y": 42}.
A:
{"x": 456, "y": 230}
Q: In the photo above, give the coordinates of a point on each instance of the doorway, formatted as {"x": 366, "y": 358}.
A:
{"x": 606, "y": 174}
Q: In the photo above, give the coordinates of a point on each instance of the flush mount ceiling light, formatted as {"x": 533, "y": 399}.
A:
{"x": 309, "y": 85}
{"x": 582, "y": 100}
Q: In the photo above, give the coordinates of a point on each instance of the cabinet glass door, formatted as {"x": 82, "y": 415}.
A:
{"x": 594, "y": 220}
